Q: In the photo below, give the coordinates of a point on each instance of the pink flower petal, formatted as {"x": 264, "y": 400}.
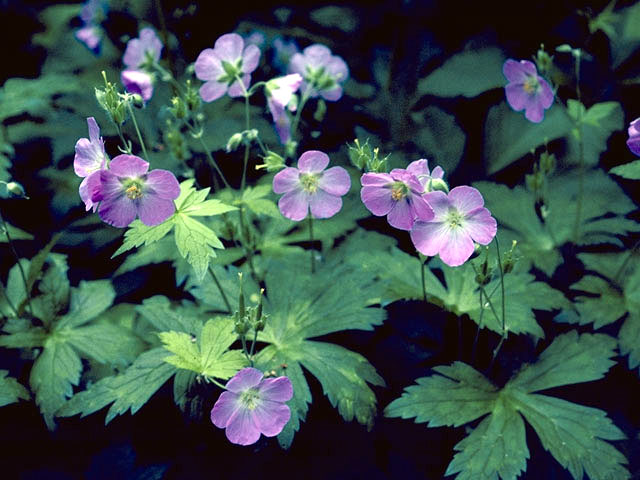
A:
{"x": 378, "y": 200}
{"x": 438, "y": 172}
{"x": 118, "y": 211}
{"x": 224, "y": 408}
{"x": 128, "y": 166}
{"x": 236, "y": 89}
{"x": 518, "y": 72}
{"x": 137, "y": 81}
{"x": 401, "y": 215}
{"x": 481, "y": 226}
{"x": 153, "y": 210}
{"x": 429, "y": 237}
{"x": 87, "y": 190}
{"x": 317, "y": 55}
{"x": 163, "y": 184}
{"x": 375, "y": 179}
{"x": 545, "y": 95}
{"x": 534, "y": 112}
{"x": 212, "y": 90}
{"x": 335, "y": 181}
{"x": 439, "y": 203}
{"x": 89, "y": 157}
{"x": 277, "y": 389}
{"x": 324, "y": 205}
{"x": 286, "y": 180}
{"x": 250, "y": 58}
{"x": 313, "y": 161}
{"x": 241, "y": 428}
{"x": 294, "y": 204}
{"x": 244, "y": 379}
{"x": 270, "y": 417}
{"x": 465, "y": 199}
{"x": 229, "y": 47}
{"x": 516, "y": 96}
{"x": 421, "y": 208}
{"x": 457, "y": 249}
{"x": 332, "y": 95}
{"x": 94, "y": 130}
{"x": 419, "y": 167}
{"x": 208, "y": 65}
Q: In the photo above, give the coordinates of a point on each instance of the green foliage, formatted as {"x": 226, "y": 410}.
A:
{"x": 194, "y": 240}
{"x": 497, "y": 447}
{"x": 603, "y": 210}
{"x": 440, "y": 137}
{"x": 11, "y": 390}
{"x": 255, "y": 199}
{"x": 509, "y": 135}
{"x": 14, "y": 232}
{"x": 628, "y": 170}
{"x": 468, "y": 73}
{"x": 612, "y": 291}
{"x": 302, "y": 307}
{"x": 210, "y": 356}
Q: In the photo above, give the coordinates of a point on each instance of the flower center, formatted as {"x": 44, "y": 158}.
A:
{"x": 250, "y": 398}
{"x": 319, "y": 78}
{"x": 399, "y": 190}
{"x": 531, "y": 85}
{"x": 454, "y": 218}
{"x": 133, "y": 190}
{"x": 309, "y": 182}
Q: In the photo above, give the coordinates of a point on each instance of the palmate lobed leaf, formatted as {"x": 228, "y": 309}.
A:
{"x": 302, "y": 307}
{"x": 11, "y": 390}
{"x": 497, "y": 447}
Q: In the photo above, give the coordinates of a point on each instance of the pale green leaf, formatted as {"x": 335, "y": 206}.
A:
{"x": 196, "y": 243}
{"x": 33, "y": 96}
{"x": 468, "y": 73}
{"x": 14, "y": 232}
{"x": 164, "y": 316}
{"x": 88, "y": 301}
{"x": 127, "y": 391}
{"x": 11, "y": 390}
{"x": 138, "y": 234}
{"x": 105, "y": 343}
{"x": 34, "y": 337}
{"x": 255, "y": 198}
{"x": 457, "y": 396}
{"x": 53, "y": 375}
{"x": 628, "y": 170}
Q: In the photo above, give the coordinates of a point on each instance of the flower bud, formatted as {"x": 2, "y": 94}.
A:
{"x": 272, "y": 162}
{"x": 321, "y": 110}
{"x": 509, "y": 260}
{"x": 437, "y": 184}
{"x": 137, "y": 100}
{"x": 547, "y": 163}
{"x": 178, "y": 108}
{"x": 234, "y": 142}
{"x": 241, "y": 308}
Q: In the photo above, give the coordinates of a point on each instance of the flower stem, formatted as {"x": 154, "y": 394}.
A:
{"x": 217, "y": 282}
{"x": 504, "y": 329}
{"x": 313, "y": 257}
{"x": 135, "y": 124}
{"x": 581, "y": 169}
{"x": 253, "y": 345}
{"x": 17, "y": 257}
{"x": 213, "y": 162}
{"x": 423, "y": 266}
{"x": 215, "y": 382}
{"x": 296, "y": 119}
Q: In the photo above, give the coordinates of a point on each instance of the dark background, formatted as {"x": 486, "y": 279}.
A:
{"x": 159, "y": 440}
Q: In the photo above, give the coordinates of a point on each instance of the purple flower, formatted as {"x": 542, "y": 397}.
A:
{"x": 222, "y": 66}
{"x": 282, "y": 53}
{"x": 92, "y": 13}
{"x": 460, "y": 219}
{"x": 308, "y": 186}
{"x": 420, "y": 168}
{"x": 127, "y": 191}
{"x": 527, "y": 90}
{"x": 634, "y": 137}
{"x": 279, "y": 93}
{"x": 322, "y": 72}
{"x": 143, "y": 50}
{"x": 398, "y": 195}
{"x": 138, "y": 81}
{"x": 90, "y": 159}
{"x": 91, "y": 36}
{"x": 252, "y": 405}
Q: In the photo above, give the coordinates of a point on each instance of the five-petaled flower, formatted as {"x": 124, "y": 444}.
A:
{"x": 139, "y": 56}
{"x": 224, "y": 66}
{"x": 89, "y": 160}
{"x": 634, "y": 136}
{"x": 398, "y": 195}
{"x": 279, "y": 92}
{"x": 310, "y": 186}
{"x": 252, "y": 405}
{"x": 527, "y": 90}
{"x": 322, "y": 72}
{"x": 127, "y": 190}
{"x": 460, "y": 219}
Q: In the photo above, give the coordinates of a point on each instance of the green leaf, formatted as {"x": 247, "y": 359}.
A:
{"x": 210, "y": 356}
{"x": 468, "y": 73}
{"x": 497, "y": 447}
{"x": 54, "y": 290}
{"x": 457, "y": 396}
{"x": 195, "y": 243}
{"x": 598, "y": 123}
{"x": 33, "y": 96}
{"x": 88, "y": 301}
{"x": 34, "y": 337}
{"x": 53, "y": 375}
{"x": 165, "y": 317}
{"x": 628, "y": 170}
{"x": 105, "y": 343}
{"x": 254, "y": 199}
{"x": 626, "y": 39}
{"x": 129, "y": 390}
{"x": 14, "y": 232}
{"x": 11, "y": 390}
{"x": 509, "y": 135}
{"x": 141, "y": 234}
{"x": 440, "y": 137}
{"x": 299, "y": 307}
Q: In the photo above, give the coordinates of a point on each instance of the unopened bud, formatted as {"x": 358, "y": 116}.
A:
{"x": 437, "y": 184}
{"x": 234, "y": 142}
{"x": 321, "y": 110}
{"x": 178, "y": 108}
{"x": 272, "y": 162}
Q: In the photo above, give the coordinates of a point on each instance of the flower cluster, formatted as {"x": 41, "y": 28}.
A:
{"x": 634, "y": 136}
{"x": 527, "y": 90}
{"x": 440, "y": 223}
{"x": 225, "y": 66}
{"x": 141, "y": 53}
{"x": 322, "y": 72}
{"x": 91, "y": 33}
{"x": 252, "y": 406}
{"x": 311, "y": 187}
{"x": 123, "y": 188}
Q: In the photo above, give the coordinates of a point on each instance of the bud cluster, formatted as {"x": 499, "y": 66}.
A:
{"x": 365, "y": 158}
